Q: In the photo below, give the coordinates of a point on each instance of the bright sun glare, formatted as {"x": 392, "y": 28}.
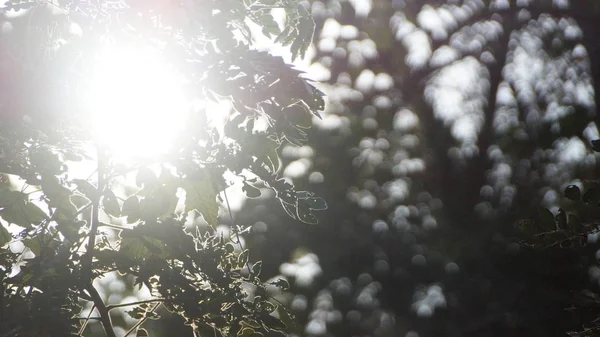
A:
{"x": 136, "y": 101}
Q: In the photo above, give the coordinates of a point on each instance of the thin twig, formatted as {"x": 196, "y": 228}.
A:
{"x": 141, "y": 321}
{"x": 87, "y": 319}
{"x": 111, "y": 307}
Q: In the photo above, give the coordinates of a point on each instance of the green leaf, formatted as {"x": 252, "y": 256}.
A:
{"x": 281, "y": 283}
{"x": 110, "y": 204}
{"x": 316, "y": 203}
{"x": 70, "y": 229}
{"x": 274, "y": 162}
{"x": 34, "y": 244}
{"x": 304, "y": 212}
{"x": 546, "y": 219}
{"x": 243, "y": 258}
{"x": 87, "y": 189}
{"x": 273, "y": 323}
{"x": 58, "y": 197}
{"x": 245, "y": 332}
{"x": 200, "y": 196}
{"x": 141, "y": 332}
{"x": 297, "y": 115}
{"x": 256, "y": 268}
{"x": 5, "y": 236}
{"x": 561, "y": 219}
{"x": 33, "y": 213}
{"x": 79, "y": 200}
{"x": 141, "y": 247}
{"x": 131, "y": 209}
{"x": 21, "y": 212}
{"x": 575, "y": 224}
{"x": 285, "y": 316}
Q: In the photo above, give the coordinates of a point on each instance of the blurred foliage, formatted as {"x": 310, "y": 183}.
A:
{"x": 61, "y": 234}
{"x": 447, "y": 123}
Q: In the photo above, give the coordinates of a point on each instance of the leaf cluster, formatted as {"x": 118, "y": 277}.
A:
{"x": 59, "y": 232}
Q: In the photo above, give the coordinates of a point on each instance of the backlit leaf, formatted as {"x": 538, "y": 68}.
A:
{"x": 200, "y": 196}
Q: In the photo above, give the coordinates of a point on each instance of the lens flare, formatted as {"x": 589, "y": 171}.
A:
{"x": 137, "y": 102}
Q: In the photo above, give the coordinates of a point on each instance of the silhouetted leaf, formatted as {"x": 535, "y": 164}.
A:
{"x": 5, "y": 236}
{"x": 281, "y": 283}
{"x": 110, "y": 204}
{"x": 131, "y": 209}
{"x": 87, "y": 189}
{"x": 561, "y": 219}
{"x": 546, "y": 219}
{"x": 256, "y": 268}
{"x": 243, "y": 258}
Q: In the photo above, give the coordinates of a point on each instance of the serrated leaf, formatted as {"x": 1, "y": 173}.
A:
{"x": 200, "y": 196}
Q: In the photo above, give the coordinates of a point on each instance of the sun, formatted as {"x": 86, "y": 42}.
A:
{"x": 136, "y": 101}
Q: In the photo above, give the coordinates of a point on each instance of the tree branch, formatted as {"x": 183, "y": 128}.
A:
{"x": 103, "y": 310}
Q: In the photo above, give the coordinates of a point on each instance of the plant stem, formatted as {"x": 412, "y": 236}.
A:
{"x": 89, "y": 254}
{"x": 103, "y": 310}
{"x": 88, "y": 258}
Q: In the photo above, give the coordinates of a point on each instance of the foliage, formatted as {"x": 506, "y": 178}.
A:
{"x": 65, "y": 225}
{"x": 420, "y": 216}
